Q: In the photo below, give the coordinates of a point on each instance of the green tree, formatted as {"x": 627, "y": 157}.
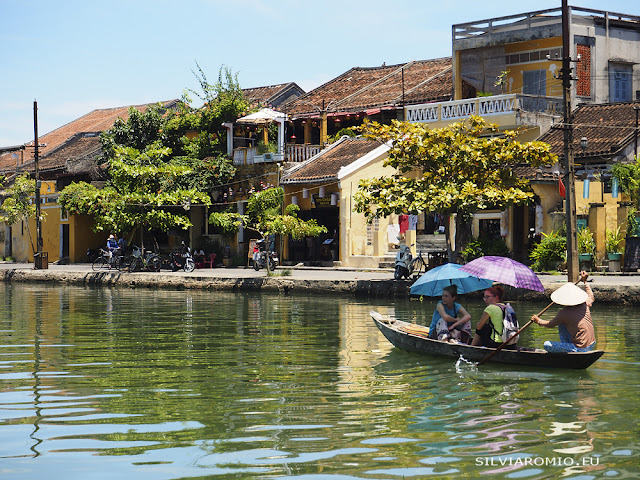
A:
{"x": 264, "y": 216}
{"x": 138, "y": 131}
{"x": 17, "y": 204}
{"x": 140, "y": 193}
{"x": 459, "y": 169}
{"x": 628, "y": 176}
{"x": 154, "y": 168}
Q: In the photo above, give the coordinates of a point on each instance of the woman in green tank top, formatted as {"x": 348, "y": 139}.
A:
{"x": 489, "y": 328}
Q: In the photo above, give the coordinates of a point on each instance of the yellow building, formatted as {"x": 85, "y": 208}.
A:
{"x": 323, "y": 188}
{"x": 63, "y": 236}
{"x": 506, "y": 70}
{"x": 68, "y": 153}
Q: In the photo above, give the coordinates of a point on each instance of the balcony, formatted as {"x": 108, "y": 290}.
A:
{"x": 448, "y": 112}
{"x": 249, "y": 156}
{"x": 294, "y": 153}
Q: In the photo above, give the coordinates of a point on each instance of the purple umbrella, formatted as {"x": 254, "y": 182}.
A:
{"x": 504, "y": 270}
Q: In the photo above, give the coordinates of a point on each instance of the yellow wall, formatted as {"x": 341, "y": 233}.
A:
{"x": 81, "y": 236}
{"x": 354, "y": 247}
{"x": 364, "y": 244}
{"x": 515, "y": 76}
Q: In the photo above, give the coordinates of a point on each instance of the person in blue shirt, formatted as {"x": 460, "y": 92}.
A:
{"x": 112, "y": 244}
{"x": 450, "y": 321}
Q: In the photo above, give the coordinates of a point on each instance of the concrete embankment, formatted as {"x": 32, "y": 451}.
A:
{"x": 621, "y": 289}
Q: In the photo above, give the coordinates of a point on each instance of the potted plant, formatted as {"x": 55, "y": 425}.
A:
{"x": 586, "y": 244}
{"x": 614, "y": 241}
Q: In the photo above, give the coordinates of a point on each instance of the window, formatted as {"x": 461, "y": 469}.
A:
{"x": 619, "y": 83}
{"x": 534, "y": 82}
{"x": 489, "y": 228}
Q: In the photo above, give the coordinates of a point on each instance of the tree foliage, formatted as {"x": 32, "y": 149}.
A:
{"x": 264, "y": 216}
{"x": 159, "y": 161}
{"x": 462, "y": 168}
{"x": 140, "y": 192}
{"x": 628, "y": 175}
{"x": 17, "y": 204}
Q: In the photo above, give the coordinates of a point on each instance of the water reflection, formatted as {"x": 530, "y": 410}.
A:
{"x": 163, "y": 384}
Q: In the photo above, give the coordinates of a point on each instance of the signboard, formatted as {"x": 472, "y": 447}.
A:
{"x": 323, "y": 202}
{"x": 632, "y": 254}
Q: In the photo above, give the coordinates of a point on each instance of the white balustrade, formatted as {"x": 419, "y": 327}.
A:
{"x": 483, "y": 106}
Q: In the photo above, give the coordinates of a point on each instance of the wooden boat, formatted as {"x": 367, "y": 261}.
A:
{"x": 414, "y": 338}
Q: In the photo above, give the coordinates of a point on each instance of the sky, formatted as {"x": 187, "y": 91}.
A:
{"x": 76, "y": 56}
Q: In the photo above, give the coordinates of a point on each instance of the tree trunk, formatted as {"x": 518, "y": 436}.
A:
{"x": 463, "y": 234}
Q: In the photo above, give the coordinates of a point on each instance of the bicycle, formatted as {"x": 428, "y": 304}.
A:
{"x": 139, "y": 261}
{"x": 418, "y": 265}
{"x": 107, "y": 261}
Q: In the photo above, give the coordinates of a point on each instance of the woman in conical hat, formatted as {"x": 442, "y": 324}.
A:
{"x": 574, "y": 323}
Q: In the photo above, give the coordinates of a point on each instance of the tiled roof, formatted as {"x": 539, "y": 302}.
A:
{"x": 360, "y": 89}
{"x": 607, "y": 127}
{"x": 326, "y": 164}
{"x": 542, "y": 174}
{"x": 77, "y": 155}
{"x": 269, "y": 96}
{"x": 95, "y": 121}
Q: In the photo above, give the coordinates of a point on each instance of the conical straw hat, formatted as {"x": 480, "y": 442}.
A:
{"x": 569, "y": 294}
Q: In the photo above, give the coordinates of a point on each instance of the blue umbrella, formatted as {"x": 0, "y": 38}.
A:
{"x": 432, "y": 282}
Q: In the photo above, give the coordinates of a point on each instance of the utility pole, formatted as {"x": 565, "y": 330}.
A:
{"x": 635, "y": 135}
{"x": 37, "y": 178}
{"x": 569, "y": 174}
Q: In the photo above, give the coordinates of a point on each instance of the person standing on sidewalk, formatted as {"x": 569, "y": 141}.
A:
{"x": 575, "y": 326}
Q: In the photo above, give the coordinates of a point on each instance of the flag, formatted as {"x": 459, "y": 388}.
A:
{"x": 561, "y": 189}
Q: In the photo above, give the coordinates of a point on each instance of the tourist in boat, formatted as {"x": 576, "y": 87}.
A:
{"x": 489, "y": 328}
{"x": 575, "y": 326}
{"x": 450, "y": 321}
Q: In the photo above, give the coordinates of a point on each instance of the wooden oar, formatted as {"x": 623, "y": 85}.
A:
{"x": 500, "y": 347}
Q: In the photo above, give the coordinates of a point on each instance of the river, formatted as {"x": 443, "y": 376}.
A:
{"x": 153, "y": 384}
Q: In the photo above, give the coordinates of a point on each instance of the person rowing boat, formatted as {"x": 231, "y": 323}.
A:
{"x": 575, "y": 326}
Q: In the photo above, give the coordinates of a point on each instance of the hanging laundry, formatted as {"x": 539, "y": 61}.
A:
{"x": 404, "y": 223}
{"x": 393, "y": 232}
{"x": 413, "y": 222}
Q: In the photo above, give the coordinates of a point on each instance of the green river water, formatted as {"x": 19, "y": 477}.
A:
{"x": 100, "y": 383}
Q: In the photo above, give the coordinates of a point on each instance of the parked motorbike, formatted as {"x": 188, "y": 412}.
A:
{"x": 182, "y": 260}
{"x": 403, "y": 265}
{"x": 260, "y": 257}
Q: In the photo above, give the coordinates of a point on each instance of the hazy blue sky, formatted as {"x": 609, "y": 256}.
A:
{"x": 75, "y": 56}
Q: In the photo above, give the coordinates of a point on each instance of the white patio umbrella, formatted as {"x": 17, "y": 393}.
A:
{"x": 262, "y": 116}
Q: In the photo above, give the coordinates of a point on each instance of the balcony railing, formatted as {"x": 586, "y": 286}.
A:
{"x": 294, "y": 153}
{"x": 300, "y": 153}
{"x": 482, "y": 106}
{"x": 249, "y": 156}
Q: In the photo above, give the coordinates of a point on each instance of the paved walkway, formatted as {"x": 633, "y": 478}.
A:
{"x": 623, "y": 288}
{"x": 319, "y": 273}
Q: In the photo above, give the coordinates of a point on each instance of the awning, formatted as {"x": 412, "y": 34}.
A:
{"x": 265, "y": 115}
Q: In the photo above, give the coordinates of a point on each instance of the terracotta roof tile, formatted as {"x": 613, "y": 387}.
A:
{"x": 326, "y": 164}
{"x": 267, "y": 96}
{"x": 607, "y": 127}
{"x": 365, "y": 88}
{"x": 95, "y": 121}
{"x": 542, "y": 174}
{"x": 78, "y": 155}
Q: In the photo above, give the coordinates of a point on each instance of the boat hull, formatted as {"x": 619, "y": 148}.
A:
{"x": 392, "y": 330}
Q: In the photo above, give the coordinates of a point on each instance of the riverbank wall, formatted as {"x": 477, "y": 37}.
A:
{"x": 618, "y": 290}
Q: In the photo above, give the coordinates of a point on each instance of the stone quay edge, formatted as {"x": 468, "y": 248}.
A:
{"x": 621, "y": 289}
